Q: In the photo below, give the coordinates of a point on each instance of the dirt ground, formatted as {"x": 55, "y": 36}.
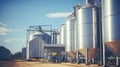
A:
{"x": 39, "y": 64}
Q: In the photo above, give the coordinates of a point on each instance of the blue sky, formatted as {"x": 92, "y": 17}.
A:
{"x": 17, "y": 15}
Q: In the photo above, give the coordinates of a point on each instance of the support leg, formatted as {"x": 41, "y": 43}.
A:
{"x": 117, "y": 60}
{"x": 86, "y": 55}
{"x": 77, "y": 57}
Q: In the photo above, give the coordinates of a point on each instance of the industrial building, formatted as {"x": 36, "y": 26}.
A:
{"x": 5, "y": 54}
{"x": 54, "y": 53}
{"x": 90, "y": 34}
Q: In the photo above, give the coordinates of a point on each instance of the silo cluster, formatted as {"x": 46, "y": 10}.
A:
{"x": 93, "y": 30}
{"x": 81, "y": 30}
{"x": 90, "y": 32}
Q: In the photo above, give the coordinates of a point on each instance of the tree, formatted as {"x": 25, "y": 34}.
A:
{"x": 17, "y": 55}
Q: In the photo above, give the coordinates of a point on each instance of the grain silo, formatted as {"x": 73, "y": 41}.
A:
{"x": 111, "y": 31}
{"x": 87, "y": 22}
{"x": 58, "y": 38}
{"x": 37, "y": 40}
{"x": 24, "y": 52}
{"x": 70, "y": 36}
{"x": 110, "y": 26}
{"x": 63, "y": 34}
{"x": 71, "y": 31}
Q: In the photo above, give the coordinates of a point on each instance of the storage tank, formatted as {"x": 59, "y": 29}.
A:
{"x": 24, "y": 52}
{"x": 63, "y": 34}
{"x": 39, "y": 39}
{"x": 70, "y": 32}
{"x": 55, "y": 33}
{"x": 70, "y": 36}
{"x": 68, "y": 42}
{"x": 58, "y": 38}
{"x": 111, "y": 25}
{"x": 76, "y": 8}
{"x": 87, "y": 22}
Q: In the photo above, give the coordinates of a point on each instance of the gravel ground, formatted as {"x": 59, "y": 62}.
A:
{"x": 39, "y": 64}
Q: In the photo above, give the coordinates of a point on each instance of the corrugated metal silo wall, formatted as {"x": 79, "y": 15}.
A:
{"x": 36, "y": 45}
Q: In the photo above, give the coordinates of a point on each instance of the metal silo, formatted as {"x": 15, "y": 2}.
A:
{"x": 39, "y": 39}
{"x": 70, "y": 33}
{"x": 76, "y": 8}
{"x": 63, "y": 34}
{"x": 58, "y": 38}
{"x": 111, "y": 25}
{"x": 70, "y": 37}
{"x": 87, "y": 22}
{"x": 68, "y": 42}
{"x": 24, "y": 52}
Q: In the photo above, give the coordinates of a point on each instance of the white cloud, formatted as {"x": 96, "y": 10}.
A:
{"x": 8, "y": 41}
{"x": 4, "y": 30}
{"x": 17, "y": 30}
{"x": 14, "y": 40}
{"x": 58, "y": 15}
{"x": 23, "y": 40}
{"x": 2, "y": 24}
